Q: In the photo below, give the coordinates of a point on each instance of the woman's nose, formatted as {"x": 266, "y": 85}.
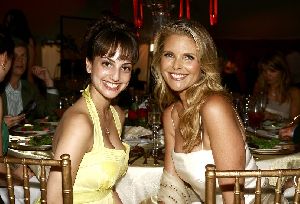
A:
{"x": 115, "y": 75}
{"x": 177, "y": 64}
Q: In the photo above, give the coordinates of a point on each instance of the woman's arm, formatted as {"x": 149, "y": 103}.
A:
{"x": 226, "y": 140}
{"x": 169, "y": 139}
{"x": 74, "y": 136}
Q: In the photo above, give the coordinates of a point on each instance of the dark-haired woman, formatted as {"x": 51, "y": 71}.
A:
{"x": 90, "y": 130}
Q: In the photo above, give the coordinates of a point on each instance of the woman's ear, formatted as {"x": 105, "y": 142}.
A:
{"x": 88, "y": 65}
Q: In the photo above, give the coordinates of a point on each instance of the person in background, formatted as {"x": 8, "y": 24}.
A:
{"x": 200, "y": 124}
{"x": 6, "y": 58}
{"x": 283, "y": 100}
{"x": 229, "y": 76}
{"x": 19, "y": 93}
{"x": 90, "y": 130}
{"x": 17, "y": 24}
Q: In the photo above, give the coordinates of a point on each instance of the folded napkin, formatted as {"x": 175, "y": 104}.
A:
{"x": 135, "y": 132}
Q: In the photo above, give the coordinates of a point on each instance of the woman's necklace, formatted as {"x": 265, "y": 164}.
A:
{"x": 107, "y": 132}
{"x": 104, "y": 117}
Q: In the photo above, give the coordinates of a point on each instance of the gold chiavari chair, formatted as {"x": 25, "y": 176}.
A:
{"x": 64, "y": 163}
{"x": 212, "y": 174}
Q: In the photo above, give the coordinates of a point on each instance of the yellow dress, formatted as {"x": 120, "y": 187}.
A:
{"x": 101, "y": 167}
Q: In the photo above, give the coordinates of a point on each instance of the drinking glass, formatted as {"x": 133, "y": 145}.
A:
{"x": 256, "y": 110}
{"x": 154, "y": 122}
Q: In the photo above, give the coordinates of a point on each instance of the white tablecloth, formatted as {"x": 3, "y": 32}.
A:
{"x": 141, "y": 184}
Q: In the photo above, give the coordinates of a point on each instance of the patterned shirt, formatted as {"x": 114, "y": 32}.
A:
{"x": 14, "y": 99}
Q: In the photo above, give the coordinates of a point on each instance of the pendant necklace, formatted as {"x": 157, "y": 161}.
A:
{"x": 106, "y": 129}
{"x": 107, "y": 132}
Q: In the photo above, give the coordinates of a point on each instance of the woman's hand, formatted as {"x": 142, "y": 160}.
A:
{"x": 286, "y": 133}
{"x": 13, "y": 120}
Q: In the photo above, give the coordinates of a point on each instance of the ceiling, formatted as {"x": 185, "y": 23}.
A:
{"x": 237, "y": 19}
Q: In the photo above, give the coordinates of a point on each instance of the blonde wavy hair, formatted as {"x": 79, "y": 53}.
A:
{"x": 209, "y": 83}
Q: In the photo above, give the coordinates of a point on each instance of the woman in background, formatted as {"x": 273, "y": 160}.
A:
{"x": 200, "y": 124}
{"x": 90, "y": 130}
{"x": 283, "y": 100}
{"x": 6, "y": 56}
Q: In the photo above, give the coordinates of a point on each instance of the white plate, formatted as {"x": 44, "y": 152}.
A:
{"x": 264, "y": 133}
{"x": 50, "y": 123}
{"x": 139, "y": 142}
{"x": 26, "y": 147}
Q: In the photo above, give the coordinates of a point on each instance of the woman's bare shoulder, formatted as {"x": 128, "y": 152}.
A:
{"x": 76, "y": 121}
{"x": 216, "y": 102}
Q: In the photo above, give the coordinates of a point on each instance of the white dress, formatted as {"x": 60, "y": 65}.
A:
{"x": 190, "y": 167}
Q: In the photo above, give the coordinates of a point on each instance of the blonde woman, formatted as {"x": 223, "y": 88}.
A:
{"x": 274, "y": 81}
{"x": 200, "y": 125}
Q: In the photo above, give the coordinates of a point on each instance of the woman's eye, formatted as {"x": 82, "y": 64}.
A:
{"x": 189, "y": 57}
{"x": 126, "y": 69}
{"x": 106, "y": 64}
{"x": 169, "y": 55}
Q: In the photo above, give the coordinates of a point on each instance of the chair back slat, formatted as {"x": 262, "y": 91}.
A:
{"x": 258, "y": 190}
{"x": 237, "y": 191}
{"x": 43, "y": 183}
{"x": 297, "y": 191}
{"x": 212, "y": 175}
{"x": 64, "y": 164}
{"x": 67, "y": 179}
{"x": 26, "y": 185}
{"x": 277, "y": 199}
{"x": 10, "y": 187}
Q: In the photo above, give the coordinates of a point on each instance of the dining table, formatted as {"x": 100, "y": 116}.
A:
{"x": 141, "y": 182}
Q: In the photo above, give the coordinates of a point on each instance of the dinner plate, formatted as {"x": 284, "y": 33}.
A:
{"x": 29, "y": 129}
{"x": 29, "y": 133}
{"x": 264, "y": 133}
{"x": 49, "y": 123}
{"x": 273, "y": 151}
{"x": 26, "y": 147}
{"x": 135, "y": 142}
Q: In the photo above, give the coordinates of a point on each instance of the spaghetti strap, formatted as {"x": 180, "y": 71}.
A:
{"x": 171, "y": 116}
{"x": 116, "y": 120}
{"x": 201, "y": 133}
{"x": 98, "y": 139}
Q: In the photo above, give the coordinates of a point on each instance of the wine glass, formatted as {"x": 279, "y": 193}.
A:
{"x": 154, "y": 122}
{"x": 256, "y": 110}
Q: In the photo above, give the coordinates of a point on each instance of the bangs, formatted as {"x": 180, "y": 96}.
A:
{"x": 112, "y": 41}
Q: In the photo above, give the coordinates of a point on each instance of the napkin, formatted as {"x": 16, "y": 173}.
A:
{"x": 135, "y": 132}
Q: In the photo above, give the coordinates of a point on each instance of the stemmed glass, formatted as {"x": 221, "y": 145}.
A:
{"x": 256, "y": 110}
{"x": 154, "y": 121}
